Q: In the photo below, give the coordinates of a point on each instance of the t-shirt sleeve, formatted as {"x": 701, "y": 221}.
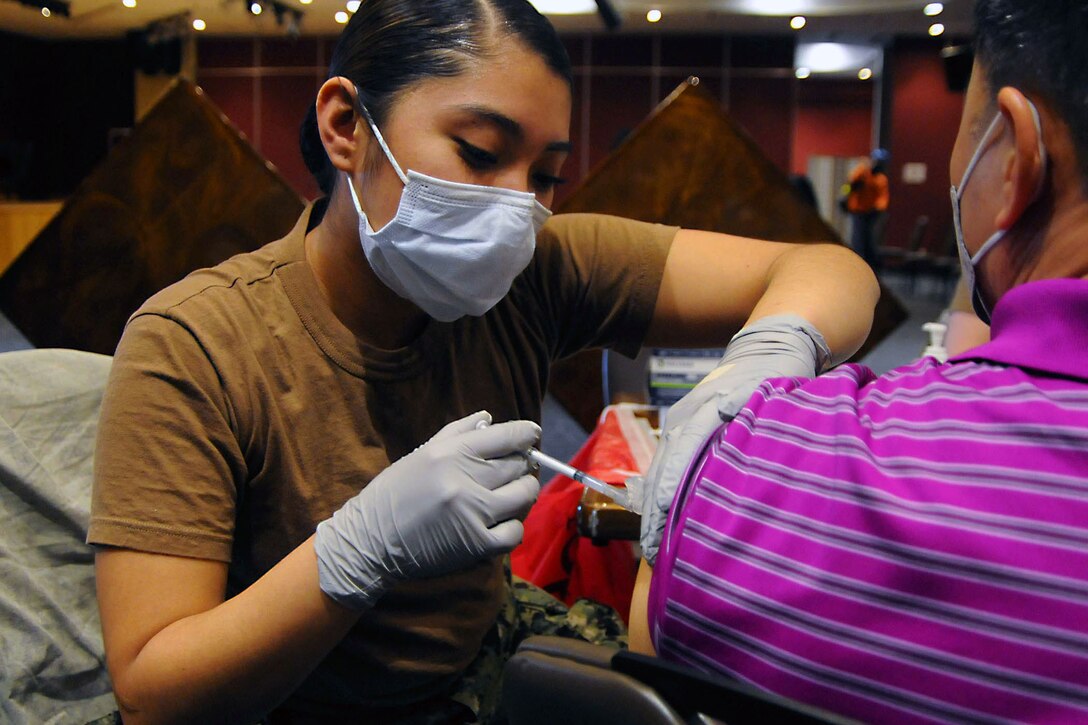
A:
{"x": 167, "y": 461}
{"x": 598, "y": 277}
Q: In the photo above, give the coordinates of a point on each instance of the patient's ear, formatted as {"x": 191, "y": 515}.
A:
{"x": 638, "y": 629}
{"x": 1024, "y": 168}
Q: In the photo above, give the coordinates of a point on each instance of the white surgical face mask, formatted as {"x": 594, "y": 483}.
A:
{"x": 452, "y": 249}
{"x": 969, "y": 264}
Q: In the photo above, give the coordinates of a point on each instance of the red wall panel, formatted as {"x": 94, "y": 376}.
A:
{"x": 265, "y": 87}
{"x": 925, "y": 120}
{"x": 764, "y": 107}
{"x": 285, "y": 101}
{"x": 834, "y": 118}
{"x": 234, "y": 96}
{"x": 620, "y": 102}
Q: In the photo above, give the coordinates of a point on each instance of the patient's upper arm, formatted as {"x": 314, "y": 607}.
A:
{"x": 638, "y": 632}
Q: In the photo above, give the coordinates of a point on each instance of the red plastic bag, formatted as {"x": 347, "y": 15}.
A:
{"x": 554, "y": 556}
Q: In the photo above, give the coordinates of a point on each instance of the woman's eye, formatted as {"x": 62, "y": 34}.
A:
{"x": 476, "y": 157}
{"x": 547, "y": 182}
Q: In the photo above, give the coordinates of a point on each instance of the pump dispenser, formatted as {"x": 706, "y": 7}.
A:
{"x": 936, "y": 348}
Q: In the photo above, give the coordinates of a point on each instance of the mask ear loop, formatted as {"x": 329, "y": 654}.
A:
{"x": 979, "y": 151}
{"x": 379, "y": 137}
{"x": 1043, "y": 156}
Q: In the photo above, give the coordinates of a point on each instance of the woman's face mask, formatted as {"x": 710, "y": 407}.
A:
{"x": 969, "y": 264}
{"x": 452, "y": 249}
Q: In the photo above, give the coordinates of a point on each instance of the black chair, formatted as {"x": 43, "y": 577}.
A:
{"x": 556, "y": 680}
{"x": 900, "y": 258}
{"x": 942, "y": 267}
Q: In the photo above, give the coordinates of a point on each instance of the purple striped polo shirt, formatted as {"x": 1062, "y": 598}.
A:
{"x": 909, "y": 548}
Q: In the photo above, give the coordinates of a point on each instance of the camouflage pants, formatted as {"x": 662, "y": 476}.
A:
{"x": 527, "y": 611}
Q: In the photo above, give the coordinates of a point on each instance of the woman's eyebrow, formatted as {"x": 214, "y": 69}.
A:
{"x": 509, "y": 126}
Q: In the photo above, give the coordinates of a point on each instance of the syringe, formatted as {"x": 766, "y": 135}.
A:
{"x": 544, "y": 460}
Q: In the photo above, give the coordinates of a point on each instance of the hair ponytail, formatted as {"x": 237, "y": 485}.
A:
{"x": 313, "y": 152}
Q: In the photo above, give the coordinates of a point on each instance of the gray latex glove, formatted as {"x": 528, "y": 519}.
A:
{"x": 773, "y": 347}
{"x": 452, "y": 502}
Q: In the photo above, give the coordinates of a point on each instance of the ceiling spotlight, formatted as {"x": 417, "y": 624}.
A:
{"x": 305, "y": 2}
{"x": 353, "y": 6}
{"x": 653, "y": 16}
{"x": 564, "y": 7}
{"x": 802, "y": 73}
{"x": 129, "y": 3}
{"x": 798, "y": 22}
{"x": 341, "y": 17}
{"x": 936, "y": 29}
{"x": 865, "y": 74}
{"x": 933, "y": 9}
{"x": 199, "y": 24}
{"x": 49, "y": 8}
{"x": 256, "y": 8}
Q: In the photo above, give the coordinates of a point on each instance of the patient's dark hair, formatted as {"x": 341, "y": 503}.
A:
{"x": 1041, "y": 48}
{"x": 390, "y": 44}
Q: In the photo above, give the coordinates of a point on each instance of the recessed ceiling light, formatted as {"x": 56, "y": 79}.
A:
{"x": 802, "y": 73}
{"x": 256, "y": 8}
{"x": 129, "y": 3}
{"x": 798, "y": 22}
{"x": 46, "y": 12}
{"x": 305, "y": 2}
{"x": 199, "y": 24}
{"x": 779, "y": 8}
{"x": 865, "y": 74}
{"x": 565, "y": 7}
{"x": 936, "y": 29}
{"x": 933, "y": 9}
{"x": 341, "y": 17}
{"x": 653, "y": 16}
{"x": 353, "y": 6}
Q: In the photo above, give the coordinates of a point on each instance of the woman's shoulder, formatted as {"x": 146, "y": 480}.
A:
{"x": 585, "y": 227}
{"x": 590, "y": 241}
{"x": 226, "y": 283}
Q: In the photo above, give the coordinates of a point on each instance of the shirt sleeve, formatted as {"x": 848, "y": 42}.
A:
{"x": 168, "y": 465}
{"x": 597, "y": 279}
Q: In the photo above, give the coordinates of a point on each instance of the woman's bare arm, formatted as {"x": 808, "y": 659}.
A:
{"x": 177, "y": 652}
{"x": 714, "y": 284}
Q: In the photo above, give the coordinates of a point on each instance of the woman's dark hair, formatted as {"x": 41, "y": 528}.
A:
{"x": 1041, "y": 48}
{"x": 390, "y": 44}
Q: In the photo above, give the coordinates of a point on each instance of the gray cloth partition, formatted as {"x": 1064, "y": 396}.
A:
{"x": 52, "y": 667}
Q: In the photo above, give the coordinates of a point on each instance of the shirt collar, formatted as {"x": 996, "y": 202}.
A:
{"x": 1041, "y": 325}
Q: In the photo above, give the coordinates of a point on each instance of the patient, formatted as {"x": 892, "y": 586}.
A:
{"x": 914, "y": 547}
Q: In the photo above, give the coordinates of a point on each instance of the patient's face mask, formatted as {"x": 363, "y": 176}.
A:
{"x": 452, "y": 249}
{"x": 969, "y": 264}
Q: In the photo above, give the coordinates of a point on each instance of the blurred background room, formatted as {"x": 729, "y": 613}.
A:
{"x": 816, "y": 86}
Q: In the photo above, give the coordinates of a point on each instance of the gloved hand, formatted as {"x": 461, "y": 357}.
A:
{"x": 453, "y": 501}
{"x": 773, "y": 347}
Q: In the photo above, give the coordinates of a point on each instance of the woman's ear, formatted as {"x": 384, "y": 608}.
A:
{"x": 1024, "y": 168}
{"x": 337, "y": 122}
